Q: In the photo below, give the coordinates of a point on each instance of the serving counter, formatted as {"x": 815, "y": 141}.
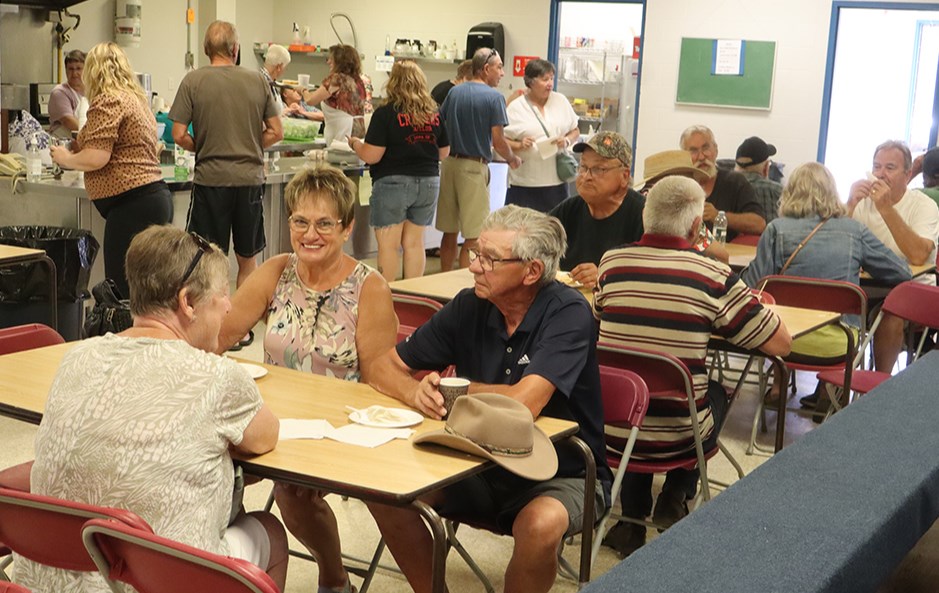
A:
{"x": 64, "y": 202}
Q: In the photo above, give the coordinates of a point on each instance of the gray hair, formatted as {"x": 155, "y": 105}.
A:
{"x": 536, "y": 69}
{"x": 699, "y": 129}
{"x": 811, "y": 190}
{"x": 537, "y": 237}
{"x": 156, "y": 262}
{"x": 221, "y": 37}
{"x": 902, "y": 147}
{"x": 481, "y": 58}
{"x": 277, "y": 55}
{"x": 672, "y": 205}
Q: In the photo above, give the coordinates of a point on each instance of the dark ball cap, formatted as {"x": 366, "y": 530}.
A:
{"x": 754, "y": 151}
{"x": 931, "y": 163}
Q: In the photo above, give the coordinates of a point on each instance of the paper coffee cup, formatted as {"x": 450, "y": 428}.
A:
{"x": 303, "y": 79}
{"x": 451, "y": 388}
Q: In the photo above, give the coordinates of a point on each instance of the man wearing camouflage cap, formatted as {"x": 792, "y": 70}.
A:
{"x": 606, "y": 213}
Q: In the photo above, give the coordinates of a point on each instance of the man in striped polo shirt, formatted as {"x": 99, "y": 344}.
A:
{"x": 661, "y": 294}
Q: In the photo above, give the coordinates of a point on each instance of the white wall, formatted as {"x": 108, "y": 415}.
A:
{"x": 800, "y": 30}
{"x": 525, "y": 21}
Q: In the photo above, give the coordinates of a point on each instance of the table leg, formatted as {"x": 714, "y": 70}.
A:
{"x": 439, "y": 535}
{"x": 53, "y": 290}
{"x": 781, "y": 406}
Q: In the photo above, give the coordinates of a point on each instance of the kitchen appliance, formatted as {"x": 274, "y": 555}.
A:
{"x": 491, "y": 35}
{"x": 39, "y": 93}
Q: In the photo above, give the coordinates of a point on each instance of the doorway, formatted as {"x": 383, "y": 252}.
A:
{"x": 596, "y": 48}
{"x": 877, "y": 90}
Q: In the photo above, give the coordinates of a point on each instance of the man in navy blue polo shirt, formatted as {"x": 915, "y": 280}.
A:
{"x": 521, "y": 333}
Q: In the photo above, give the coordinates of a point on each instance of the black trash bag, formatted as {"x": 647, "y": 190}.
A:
{"x": 72, "y": 250}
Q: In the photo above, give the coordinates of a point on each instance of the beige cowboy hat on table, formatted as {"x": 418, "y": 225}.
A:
{"x": 500, "y": 429}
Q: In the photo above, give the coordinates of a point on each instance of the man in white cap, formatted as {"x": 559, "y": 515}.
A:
{"x": 522, "y": 334}
{"x": 753, "y": 161}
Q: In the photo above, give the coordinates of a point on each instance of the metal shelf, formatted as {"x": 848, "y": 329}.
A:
{"x": 428, "y": 60}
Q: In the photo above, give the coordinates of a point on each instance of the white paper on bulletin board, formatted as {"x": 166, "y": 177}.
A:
{"x": 384, "y": 63}
{"x": 728, "y": 57}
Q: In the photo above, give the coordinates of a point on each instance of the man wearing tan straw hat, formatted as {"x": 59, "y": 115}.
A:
{"x": 521, "y": 334}
{"x": 704, "y": 297}
{"x": 678, "y": 162}
{"x": 725, "y": 190}
{"x": 606, "y": 213}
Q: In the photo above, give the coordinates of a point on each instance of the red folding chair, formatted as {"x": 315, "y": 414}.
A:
{"x": 153, "y": 564}
{"x": 743, "y": 239}
{"x": 412, "y": 312}
{"x": 27, "y": 337}
{"x": 815, "y": 293}
{"x": 47, "y": 530}
{"x": 17, "y": 339}
{"x": 664, "y": 375}
{"x": 911, "y": 301}
{"x": 625, "y": 403}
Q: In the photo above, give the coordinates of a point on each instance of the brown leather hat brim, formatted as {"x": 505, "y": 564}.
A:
{"x": 541, "y": 465}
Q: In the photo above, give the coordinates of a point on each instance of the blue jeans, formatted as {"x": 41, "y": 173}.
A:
{"x": 399, "y": 197}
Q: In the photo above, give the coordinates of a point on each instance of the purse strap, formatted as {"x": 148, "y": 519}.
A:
{"x": 546, "y": 133}
{"x": 785, "y": 267}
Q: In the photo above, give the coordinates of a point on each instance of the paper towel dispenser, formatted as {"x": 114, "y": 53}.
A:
{"x": 490, "y": 35}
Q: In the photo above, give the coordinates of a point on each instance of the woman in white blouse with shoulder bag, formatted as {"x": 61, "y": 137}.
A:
{"x": 539, "y": 114}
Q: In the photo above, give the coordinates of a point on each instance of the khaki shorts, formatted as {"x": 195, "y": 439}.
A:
{"x": 463, "y": 204}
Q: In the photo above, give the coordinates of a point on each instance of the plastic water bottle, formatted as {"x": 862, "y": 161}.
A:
{"x": 181, "y": 165}
{"x": 33, "y": 161}
{"x": 720, "y": 227}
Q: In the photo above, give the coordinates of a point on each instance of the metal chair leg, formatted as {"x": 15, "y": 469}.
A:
{"x": 451, "y": 528}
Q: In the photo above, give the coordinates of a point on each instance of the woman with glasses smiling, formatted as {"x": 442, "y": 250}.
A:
{"x": 327, "y": 314}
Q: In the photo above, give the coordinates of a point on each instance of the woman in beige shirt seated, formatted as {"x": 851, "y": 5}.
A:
{"x": 117, "y": 148}
{"x": 144, "y": 420}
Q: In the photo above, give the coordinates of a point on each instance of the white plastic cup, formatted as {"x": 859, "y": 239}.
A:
{"x": 303, "y": 80}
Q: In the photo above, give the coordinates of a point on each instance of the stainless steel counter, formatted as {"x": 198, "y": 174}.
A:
{"x": 64, "y": 202}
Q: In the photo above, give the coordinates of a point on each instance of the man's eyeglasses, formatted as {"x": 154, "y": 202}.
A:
{"x": 695, "y": 151}
{"x": 488, "y": 263}
{"x": 492, "y": 54}
{"x": 204, "y": 247}
{"x": 596, "y": 171}
{"x": 323, "y": 226}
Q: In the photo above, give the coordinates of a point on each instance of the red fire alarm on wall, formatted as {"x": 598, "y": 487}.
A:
{"x": 519, "y": 63}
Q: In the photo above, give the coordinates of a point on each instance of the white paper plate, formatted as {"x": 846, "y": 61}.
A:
{"x": 256, "y": 371}
{"x": 382, "y": 417}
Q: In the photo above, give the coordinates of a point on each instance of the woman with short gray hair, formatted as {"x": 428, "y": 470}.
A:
{"x": 540, "y": 115}
{"x": 145, "y": 420}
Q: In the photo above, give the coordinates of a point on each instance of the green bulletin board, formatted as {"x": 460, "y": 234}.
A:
{"x": 752, "y": 89}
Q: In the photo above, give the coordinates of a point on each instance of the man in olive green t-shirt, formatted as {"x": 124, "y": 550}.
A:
{"x": 234, "y": 117}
